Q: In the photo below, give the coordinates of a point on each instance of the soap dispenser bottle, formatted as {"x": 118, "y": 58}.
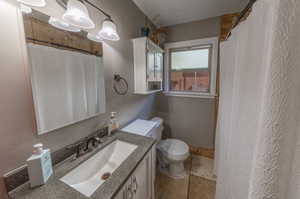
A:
{"x": 113, "y": 123}
{"x": 39, "y": 165}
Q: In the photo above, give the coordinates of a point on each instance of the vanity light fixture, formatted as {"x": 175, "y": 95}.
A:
{"x": 77, "y": 15}
{"x": 36, "y": 3}
{"x": 94, "y": 37}
{"x": 109, "y": 30}
{"x": 60, "y": 24}
{"x": 25, "y": 9}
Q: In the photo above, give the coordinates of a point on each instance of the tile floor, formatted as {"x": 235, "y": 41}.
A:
{"x": 198, "y": 184}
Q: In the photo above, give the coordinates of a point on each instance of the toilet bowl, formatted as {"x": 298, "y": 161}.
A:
{"x": 171, "y": 153}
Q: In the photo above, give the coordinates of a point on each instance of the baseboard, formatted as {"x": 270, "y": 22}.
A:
{"x": 209, "y": 153}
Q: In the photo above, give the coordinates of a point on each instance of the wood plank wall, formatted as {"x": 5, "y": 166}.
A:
{"x": 37, "y": 30}
{"x": 227, "y": 22}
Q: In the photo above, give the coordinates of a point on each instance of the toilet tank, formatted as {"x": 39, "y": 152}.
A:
{"x": 150, "y": 128}
{"x": 142, "y": 127}
{"x": 159, "y": 127}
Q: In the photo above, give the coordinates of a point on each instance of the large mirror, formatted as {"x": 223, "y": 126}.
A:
{"x": 66, "y": 71}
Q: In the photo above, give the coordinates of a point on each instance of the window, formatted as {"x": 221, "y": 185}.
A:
{"x": 191, "y": 68}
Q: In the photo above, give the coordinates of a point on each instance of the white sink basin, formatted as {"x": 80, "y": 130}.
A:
{"x": 87, "y": 177}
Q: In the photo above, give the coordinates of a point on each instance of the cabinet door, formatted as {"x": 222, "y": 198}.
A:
{"x": 141, "y": 179}
{"x": 153, "y": 170}
{"x": 158, "y": 66}
{"x": 150, "y": 62}
{"x": 125, "y": 192}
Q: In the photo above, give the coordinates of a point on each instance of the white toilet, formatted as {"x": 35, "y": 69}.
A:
{"x": 171, "y": 152}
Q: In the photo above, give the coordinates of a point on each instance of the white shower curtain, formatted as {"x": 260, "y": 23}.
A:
{"x": 253, "y": 139}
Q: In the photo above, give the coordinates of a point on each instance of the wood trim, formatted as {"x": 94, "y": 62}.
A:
{"x": 209, "y": 153}
{"x": 230, "y": 21}
{"x": 227, "y": 22}
{"x": 40, "y": 32}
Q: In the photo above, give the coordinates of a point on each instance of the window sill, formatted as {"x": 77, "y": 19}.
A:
{"x": 190, "y": 94}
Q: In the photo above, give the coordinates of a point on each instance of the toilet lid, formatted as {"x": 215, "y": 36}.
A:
{"x": 173, "y": 147}
{"x": 140, "y": 127}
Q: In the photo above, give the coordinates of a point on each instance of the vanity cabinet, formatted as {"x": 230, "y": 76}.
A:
{"x": 153, "y": 172}
{"x": 148, "y": 66}
{"x": 124, "y": 192}
{"x": 140, "y": 185}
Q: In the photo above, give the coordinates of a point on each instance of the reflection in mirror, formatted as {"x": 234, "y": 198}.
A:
{"x": 66, "y": 72}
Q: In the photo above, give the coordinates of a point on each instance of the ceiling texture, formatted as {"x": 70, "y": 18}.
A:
{"x": 171, "y": 12}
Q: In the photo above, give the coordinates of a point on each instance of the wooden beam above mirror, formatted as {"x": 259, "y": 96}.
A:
{"x": 40, "y": 32}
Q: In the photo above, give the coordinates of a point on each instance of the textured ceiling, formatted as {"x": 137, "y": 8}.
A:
{"x": 170, "y": 12}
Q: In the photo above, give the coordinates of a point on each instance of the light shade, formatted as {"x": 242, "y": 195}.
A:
{"x": 36, "y": 3}
{"x": 109, "y": 30}
{"x": 94, "y": 37}
{"x": 25, "y": 9}
{"x": 77, "y": 15}
{"x": 62, "y": 25}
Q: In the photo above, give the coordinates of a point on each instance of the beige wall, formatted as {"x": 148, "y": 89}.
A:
{"x": 17, "y": 131}
{"x": 190, "y": 119}
{"x": 194, "y": 30}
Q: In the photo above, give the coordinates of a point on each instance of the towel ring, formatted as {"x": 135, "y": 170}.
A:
{"x": 120, "y": 85}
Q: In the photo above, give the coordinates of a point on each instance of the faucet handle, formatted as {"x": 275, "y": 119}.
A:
{"x": 97, "y": 141}
{"x": 80, "y": 149}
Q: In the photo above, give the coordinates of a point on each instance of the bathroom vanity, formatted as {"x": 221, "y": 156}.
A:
{"x": 131, "y": 178}
{"x": 141, "y": 183}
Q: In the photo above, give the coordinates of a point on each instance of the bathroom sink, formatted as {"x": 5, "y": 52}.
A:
{"x": 89, "y": 175}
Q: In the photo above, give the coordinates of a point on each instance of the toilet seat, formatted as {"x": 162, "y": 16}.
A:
{"x": 174, "y": 149}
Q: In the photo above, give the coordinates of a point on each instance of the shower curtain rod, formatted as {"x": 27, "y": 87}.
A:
{"x": 241, "y": 16}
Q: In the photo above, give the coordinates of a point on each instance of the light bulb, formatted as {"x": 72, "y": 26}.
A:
{"x": 36, "y": 3}
{"x": 60, "y": 24}
{"x": 109, "y": 30}
{"x": 77, "y": 15}
{"x": 94, "y": 37}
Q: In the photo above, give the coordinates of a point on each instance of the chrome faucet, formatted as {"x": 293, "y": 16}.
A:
{"x": 83, "y": 147}
{"x": 95, "y": 142}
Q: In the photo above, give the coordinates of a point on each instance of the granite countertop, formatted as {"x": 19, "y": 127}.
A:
{"x": 56, "y": 189}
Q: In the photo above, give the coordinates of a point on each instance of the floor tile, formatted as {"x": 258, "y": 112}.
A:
{"x": 169, "y": 188}
{"x": 203, "y": 167}
{"x": 192, "y": 186}
{"x": 201, "y": 188}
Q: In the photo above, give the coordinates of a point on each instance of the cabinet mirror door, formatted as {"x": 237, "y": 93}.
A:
{"x": 158, "y": 66}
{"x": 66, "y": 72}
{"x": 150, "y": 65}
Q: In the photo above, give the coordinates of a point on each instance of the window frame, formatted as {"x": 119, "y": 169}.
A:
{"x": 213, "y": 43}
